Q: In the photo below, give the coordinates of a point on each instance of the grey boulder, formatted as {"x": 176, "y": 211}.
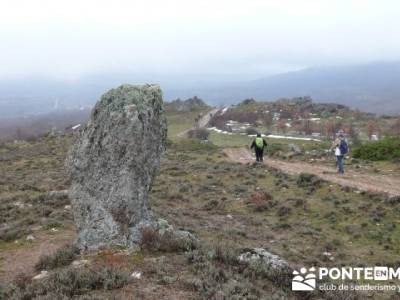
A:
{"x": 112, "y": 166}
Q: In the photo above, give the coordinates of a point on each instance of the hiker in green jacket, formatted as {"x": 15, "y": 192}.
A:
{"x": 258, "y": 144}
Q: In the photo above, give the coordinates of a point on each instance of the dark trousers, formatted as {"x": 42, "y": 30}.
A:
{"x": 340, "y": 163}
{"x": 259, "y": 154}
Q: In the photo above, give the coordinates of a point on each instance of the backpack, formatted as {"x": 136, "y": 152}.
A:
{"x": 259, "y": 143}
{"x": 344, "y": 148}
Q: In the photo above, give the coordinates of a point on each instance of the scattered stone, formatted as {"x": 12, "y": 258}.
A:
{"x": 80, "y": 263}
{"x": 136, "y": 275}
{"x": 57, "y": 194}
{"x": 54, "y": 229}
{"x": 113, "y": 164}
{"x": 67, "y": 207}
{"x": 30, "y": 238}
{"x": 19, "y": 204}
{"x": 184, "y": 237}
{"x": 294, "y": 148}
{"x": 43, "y": 274}
{"x": 229, "y": 217}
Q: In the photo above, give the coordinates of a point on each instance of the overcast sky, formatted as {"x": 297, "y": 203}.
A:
{"x": 72, "y": 38}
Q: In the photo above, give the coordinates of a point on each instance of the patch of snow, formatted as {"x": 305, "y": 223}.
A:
{"x": 224, "y": 110}
{"x": 273, "y": 136}
{"x": 254, "y": 135}
{"x": 219, "y": 130}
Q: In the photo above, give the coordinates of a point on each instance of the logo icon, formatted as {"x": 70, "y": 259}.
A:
{"x": 305, "y": 280}
{"x": 381, "y": 273}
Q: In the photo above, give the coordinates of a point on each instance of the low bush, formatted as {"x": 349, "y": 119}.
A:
{"x": 153, "y": 240}
{"x": 386, "y": 149}
{"x": 62, "y": 257}
{"x": 201, "y": 134}
{"x": 308, "y": 180}
{"x": 251, "y": 131}
{"x": 67, "y": 284}
{"x": 11, "y": 234}
{"x": 194, "y": 145}
{"x": 261, "y": 201}
{"x": 274, "y": 149}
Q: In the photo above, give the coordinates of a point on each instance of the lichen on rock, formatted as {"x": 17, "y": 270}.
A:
{"x": 112, "y": 166}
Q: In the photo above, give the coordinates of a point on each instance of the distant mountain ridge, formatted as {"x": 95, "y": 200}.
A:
{"x": 372, "y": 87}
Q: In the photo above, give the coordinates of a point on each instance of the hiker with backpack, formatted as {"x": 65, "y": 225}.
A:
{"x": 341, "y": 148}
{"x": 258, "y": 144}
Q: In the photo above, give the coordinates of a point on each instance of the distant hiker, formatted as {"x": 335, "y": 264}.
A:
{"x": 341, "y": 148}
{"x": 258, "y": 144}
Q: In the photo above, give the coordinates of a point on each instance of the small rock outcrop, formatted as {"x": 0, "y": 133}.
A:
{"x": 113, "y": 164}
{"x": 270, "y": 265}
{"x": 188, "y": 105}
{"x": 271, "y": 261}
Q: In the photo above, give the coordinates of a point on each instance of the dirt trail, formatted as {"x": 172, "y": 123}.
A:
{"x": 202, "y": 122}
{"x": 363, "y": 182}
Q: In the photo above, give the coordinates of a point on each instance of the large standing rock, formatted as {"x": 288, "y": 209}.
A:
{"x": 113, "y": 164}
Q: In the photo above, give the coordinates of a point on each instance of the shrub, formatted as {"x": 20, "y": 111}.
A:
{"x": 68, "y": 283}
{"x": 201, "y": 134}
{"x": 62, "y": 257}
{"x": 168, "y": 241}
{"x": 251, "y": 131}
{"x": 284, "y": 211}
{"x": 194, "y": 145}
{"x": 386, "y": 149}
{"x": 273, "y": 149}
{"x": 11, "y": 234}
{"x": 261, "y": 201}
{"x": 150, "y": 238}
{"x": 308, "y": 180}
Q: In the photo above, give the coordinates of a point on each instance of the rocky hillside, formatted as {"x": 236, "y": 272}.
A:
{"x": 301, "y": 116}
{"x": 188, "y": 105}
